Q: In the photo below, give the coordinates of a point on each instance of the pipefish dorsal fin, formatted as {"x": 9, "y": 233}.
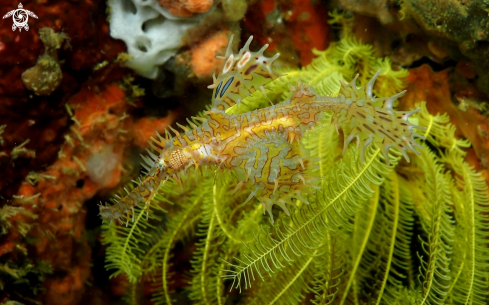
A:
{"x": 241, "y": 75}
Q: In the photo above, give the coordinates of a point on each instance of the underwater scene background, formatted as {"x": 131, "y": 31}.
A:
{"x": 244, "y": 152}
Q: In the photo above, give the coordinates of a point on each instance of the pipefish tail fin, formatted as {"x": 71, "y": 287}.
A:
{"x": 372, "y": 120}
{"x": 142, "y": 190}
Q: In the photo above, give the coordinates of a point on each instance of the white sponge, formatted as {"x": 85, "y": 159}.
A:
{"x": 151, "y": 33}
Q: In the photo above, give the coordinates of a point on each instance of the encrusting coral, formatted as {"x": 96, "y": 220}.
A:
{"x": 44, "y": 252}
{"x": 441, "y": 30}
{"x": 49, "y": 204}
{"x": 369, "y": 228}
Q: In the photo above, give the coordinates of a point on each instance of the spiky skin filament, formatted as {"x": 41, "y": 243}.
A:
{"x": 263, "y": 146}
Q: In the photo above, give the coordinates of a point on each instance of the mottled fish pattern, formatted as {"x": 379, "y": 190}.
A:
{"x": 264, "y": 146}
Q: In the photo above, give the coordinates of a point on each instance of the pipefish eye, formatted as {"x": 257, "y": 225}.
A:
{"x": 177, "y": 159}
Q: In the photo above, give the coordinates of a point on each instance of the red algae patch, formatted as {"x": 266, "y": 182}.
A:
{"x": 466, "y": 69}
{"x": 146, "y": 128}
{"x": 186, "y": 8}
{"x": 433, "y": 87}
{"x": 308, "y": 27}
{"x": 204, "y": 61}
